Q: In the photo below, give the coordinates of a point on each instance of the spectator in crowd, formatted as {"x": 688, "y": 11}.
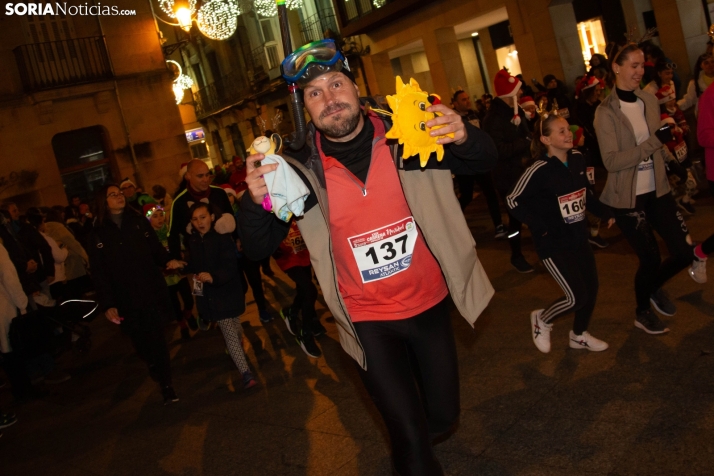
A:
{"x": 663, "y": 75}
{"x": 134, "y": 198}
{"x": 24, "y": 264}
{"x": 528, "y": 105}
{"x": 80, "y": 226}
{"x": 59, "y": 253}
{"x": 506, "y": 123}
{"x": 127, "y": 259}
{"x": 703, "y": 78}
{"x": 77, "y": 260}
{"x": 72, "y": 210}
{"x": 557, "y": 91}
{"x": 654, "y": 55}
{"x": 705, "y": 132}
{"x": 163, "y": 198}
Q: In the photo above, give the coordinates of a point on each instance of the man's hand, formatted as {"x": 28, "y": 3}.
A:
{"x": 112, "y": 315}
{"x": 452, "y": 123}
{"x": 254, "y": 177}
{"x": 175, "y": 264}
{"x": 204, "y": 277}
{"x": 610, "y": 222}
{"x": 31, "y": 266}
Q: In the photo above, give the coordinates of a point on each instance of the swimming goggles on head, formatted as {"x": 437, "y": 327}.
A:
{"x": 322, "y": 53}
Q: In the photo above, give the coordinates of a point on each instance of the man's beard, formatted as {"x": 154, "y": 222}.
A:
{"x": 345, "y": 125}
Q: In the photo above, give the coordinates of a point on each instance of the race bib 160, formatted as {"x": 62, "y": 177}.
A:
{"x": 385, "y": 251}
{"x": 572, "y": 206}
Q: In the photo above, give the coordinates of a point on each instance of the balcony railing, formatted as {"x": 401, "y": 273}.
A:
{"x": 224, "y": 92}
{"x": 266, "y": 56}
{"x": 313, "y": 28}
{"x": 62, "y": 63}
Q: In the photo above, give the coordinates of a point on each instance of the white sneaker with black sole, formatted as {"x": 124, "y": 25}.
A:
{"x": 586, "y": 341}
{"x": 540, "y": 331}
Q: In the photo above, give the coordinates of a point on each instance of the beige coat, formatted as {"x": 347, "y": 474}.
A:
{"x": 620, "y": 153}
{"x": 430, "y": 196}
{"x": 77, "y": 260}
{"x": 12, "y": 298}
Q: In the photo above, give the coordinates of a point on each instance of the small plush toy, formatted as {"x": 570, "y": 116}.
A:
{"x": 265, "y": 146}
{"x": 409, "y": 119}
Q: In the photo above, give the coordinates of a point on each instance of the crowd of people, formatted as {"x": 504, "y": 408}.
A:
{"x": 386, "y": 272}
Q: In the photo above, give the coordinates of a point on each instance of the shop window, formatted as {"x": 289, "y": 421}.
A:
{"x": 592, "y": 39}
{"x": 508, "y": 58}
{"x": 83, "y": 161}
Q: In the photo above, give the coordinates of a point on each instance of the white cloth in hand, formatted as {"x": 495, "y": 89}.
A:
{"x": 287, "y": 191}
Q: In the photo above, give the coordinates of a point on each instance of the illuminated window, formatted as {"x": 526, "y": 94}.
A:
{"x": 508, "y": 57}
{"x": 592, "y": 39}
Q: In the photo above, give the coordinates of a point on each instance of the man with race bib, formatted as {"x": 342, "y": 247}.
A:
{"x": 388, "y": 243}
{"x": 551, "y": 197}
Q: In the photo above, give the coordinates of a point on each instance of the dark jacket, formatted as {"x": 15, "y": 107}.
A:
{"x": 543, "y": 198}
{"x": 127, "y": 266}
{"x": 584, "y": 116}
{"x": 213, "y": 253}
{"x": 512, "y": 142}
{"x": 483, "y": 148}
{"x": 38, "y": 249}
{"x": 18, "y": 256}
{"x": 180, "y": 219}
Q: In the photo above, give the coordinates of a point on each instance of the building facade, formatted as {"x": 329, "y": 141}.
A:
{"x": 85, "y": 100}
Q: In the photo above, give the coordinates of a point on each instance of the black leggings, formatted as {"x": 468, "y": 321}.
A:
{"x": 251, "y": 269}
{"x": 183, "y": 289}
{"x": 708, "y": 246}
{"x": 638, "y": 226}
{"x": 576, "y": 273}
{"x": 412, "y": 376}
{"x": 305, "y": 296}
{"x": 146, "y": 331}
{"x": 485, "y": 182}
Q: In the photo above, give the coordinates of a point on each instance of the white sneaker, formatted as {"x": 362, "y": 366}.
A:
{"x": 586, "y": 341}
{"x": 698, "y": 270}
{"x": 540, "y": 331}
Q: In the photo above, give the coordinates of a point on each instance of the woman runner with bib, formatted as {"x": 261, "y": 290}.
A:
{"x": 550, "y": 197}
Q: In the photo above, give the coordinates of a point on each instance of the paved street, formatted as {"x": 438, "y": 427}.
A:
{"x": 644, "y": 406}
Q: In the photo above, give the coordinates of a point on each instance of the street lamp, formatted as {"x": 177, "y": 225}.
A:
{"x": 184, "y": 15}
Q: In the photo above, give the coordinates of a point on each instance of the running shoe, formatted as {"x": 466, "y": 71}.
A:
{"x": 698, "y": 270}
{"x": 249, "y": 380}
{"x": 308, "y": 344}
{"x": 521, "y": 265}
{"x": 500, "y": 232}
{"x": 586, "y": 341}
{"x": 203, "y": 324}
{"x": 662, "y": 304}
{"x": 290, "y": 320}
{"x": 598, "y": 241}
{"x": 169, "y": 395}
{"x": 264, "y": 316}
{"x": 650, "y": 323}
{"x": 7, "y": 419}
{"x": 540, "y": 331}
{"x": 318, "y": 329}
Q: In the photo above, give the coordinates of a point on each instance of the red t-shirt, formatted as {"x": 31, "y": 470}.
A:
{"x": 293, "y": 251}
{"x": 384, "y": 269}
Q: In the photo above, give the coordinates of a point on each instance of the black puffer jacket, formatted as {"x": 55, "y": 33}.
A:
{"x": 215, "y": 254}
{"x": 512, "y": 142}
{"x": 126, "y": 266}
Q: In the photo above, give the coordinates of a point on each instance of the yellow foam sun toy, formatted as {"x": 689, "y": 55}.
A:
{"x": 409, "y": 119}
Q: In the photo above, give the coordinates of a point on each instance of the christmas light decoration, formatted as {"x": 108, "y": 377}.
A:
{"x": 181, "y": 82}
{"x": 167, "y": 6}
{"x": 266, "y": 8}
{"x": 293, "y": 4}
{"x": 218, "y": 19}
{"x": 378, "y": 3}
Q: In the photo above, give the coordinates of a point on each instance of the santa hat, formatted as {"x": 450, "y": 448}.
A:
{"x": 126, "y": 183}
{"x": 666, "y": 119}
{"x": 183, "y": 170}
{"x": 527, "y": 101}
{"x": 508, "y": 86}
{"x": 665, "y": 94}
{"x": 150, "y": 208}
{"x": 577, "y": 134}
{"x": 228, "y": 189}
{"x": 586, "y": 83}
